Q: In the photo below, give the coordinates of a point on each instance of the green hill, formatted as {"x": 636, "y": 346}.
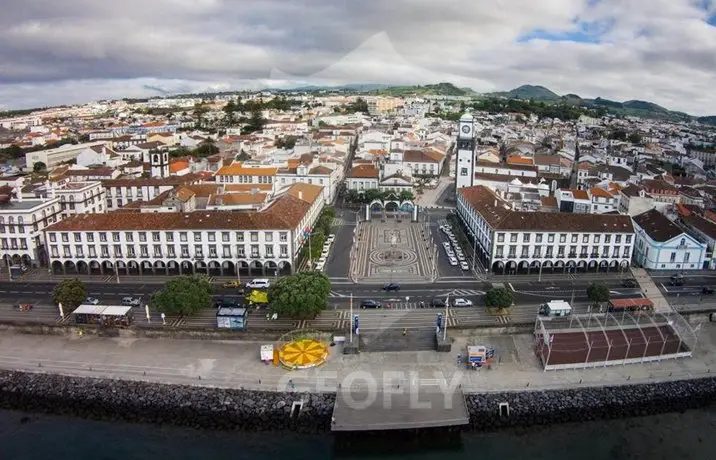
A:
{"x": 635, "y": 108}
{"x": 440, "y": 89}
{"x": 536, "y": 92}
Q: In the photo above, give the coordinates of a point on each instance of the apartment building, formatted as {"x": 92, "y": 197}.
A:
{"x": 55, "y": 157}
{"x": 121, "y": 192}
{"x": 21, "y": 225}
{"x": 510, "y": 241}
{"x": 81, "y": 198}
{"x": 212, "y": 242}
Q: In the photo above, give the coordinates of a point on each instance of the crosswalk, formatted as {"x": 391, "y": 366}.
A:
{"x": 338, "y": 222}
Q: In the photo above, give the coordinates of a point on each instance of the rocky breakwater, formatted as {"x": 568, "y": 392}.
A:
{"x": 142, "y": 402}
{"x": 590, "y": 403}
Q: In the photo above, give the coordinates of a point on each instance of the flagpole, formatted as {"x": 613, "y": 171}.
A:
{"x": 310, "y": 250}
{"x": 351, "y": 318}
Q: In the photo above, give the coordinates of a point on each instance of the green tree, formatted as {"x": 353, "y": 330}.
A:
{"x": 406, "y": 195}
{"x": 183, "y": 295}
{"x": 70, "y": 293}
{"x": 206, "y": 148}
{"x": 300, "y": 296}
{"x": 598, "y": 292}
{"x": 635, "y": 138}
{"x": 499, "y": 298}
{"x": 39, "y": 167}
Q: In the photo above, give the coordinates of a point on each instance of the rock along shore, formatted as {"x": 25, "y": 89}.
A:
{"x": 223, "y": 409}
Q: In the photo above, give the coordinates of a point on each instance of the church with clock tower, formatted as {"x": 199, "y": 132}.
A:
{"x": 465, "y": 160}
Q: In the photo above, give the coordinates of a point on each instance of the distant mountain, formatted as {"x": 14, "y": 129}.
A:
{"x": 633, "y": 108}
{"x": 355, "y": 87}
{"x": 536, "y": 92}
{"x": 440, "y": 89}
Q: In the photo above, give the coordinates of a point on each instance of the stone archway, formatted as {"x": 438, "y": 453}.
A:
{"x": 214, "y": 268}
{"x": 271, "y": 268}
{"x": 186, "y": 267}
{"x": 498, "y": 268}
{"x": 173, "y": 268}
{"x": 57, "y": 268}
{"x": 228, "y": 268}
{"x": 284, "y": 268}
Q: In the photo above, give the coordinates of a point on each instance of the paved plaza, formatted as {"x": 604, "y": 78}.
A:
{"x": 235, "y": 364}
{"x": 393, "y": 251}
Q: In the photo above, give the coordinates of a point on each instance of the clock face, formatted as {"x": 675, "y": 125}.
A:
{"x": 466, "y": 129}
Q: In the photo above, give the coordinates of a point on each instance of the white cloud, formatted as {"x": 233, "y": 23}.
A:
{"x": 76, "y": 50}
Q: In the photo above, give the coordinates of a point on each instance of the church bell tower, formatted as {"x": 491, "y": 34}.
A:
{"x": 465, "y": 161}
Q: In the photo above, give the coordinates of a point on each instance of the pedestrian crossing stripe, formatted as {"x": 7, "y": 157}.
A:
{"x": 337, "y": 222}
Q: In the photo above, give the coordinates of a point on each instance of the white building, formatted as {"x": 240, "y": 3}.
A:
{"x": 53, "y": 157}
{"x": 81, "y": 198}
{"x": 509, "y": 241}
{"x": 21, "y": 225}
{"x": 213, "y": 242}
{"x": 663, "y": 245}
{"x": 634, "y": 200}
{"x": 121, "y": 192}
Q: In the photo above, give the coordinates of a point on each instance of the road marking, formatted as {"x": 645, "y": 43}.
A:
{"x": 664, "y": 287}
{"x": 511, "y": 287}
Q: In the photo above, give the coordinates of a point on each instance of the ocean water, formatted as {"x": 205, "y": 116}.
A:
{"x": 685, "y": 436}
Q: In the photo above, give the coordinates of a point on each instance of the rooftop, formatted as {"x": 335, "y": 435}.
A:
{"x": 657, "y": 226}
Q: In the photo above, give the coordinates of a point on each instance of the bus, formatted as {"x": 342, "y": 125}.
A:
{"x": 638, "y": 304}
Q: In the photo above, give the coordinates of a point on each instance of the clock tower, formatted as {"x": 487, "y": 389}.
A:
{"x": 465, "y": 161}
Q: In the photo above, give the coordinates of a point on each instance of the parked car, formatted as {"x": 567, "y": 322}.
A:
{"x": 677, "y": 280}
{"x": 259, "y": 283}
{"x": 460, "y": 302}
{"x": 629, "y": 283}
{"x": 437, "y": 303}
{"x": 370, "y": 304}
{"x": 707, "y": 290}
{"x": 391, "y": 287}
{"x": 91, "y": 301}
{"x": 131, "y": 301}
{"x": 453, "y": 261}
{"x": 330, "y": 238}
{"x": 464, "y": 266}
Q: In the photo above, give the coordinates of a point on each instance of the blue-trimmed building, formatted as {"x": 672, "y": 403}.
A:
{"x": 663, "y": 245}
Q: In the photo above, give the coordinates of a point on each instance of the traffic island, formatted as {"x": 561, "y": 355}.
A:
{"x": 351, "y": 347}
{"x": 443, "y": 343}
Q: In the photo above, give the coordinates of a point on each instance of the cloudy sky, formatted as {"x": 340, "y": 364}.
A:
{"x": 67, "y": 51}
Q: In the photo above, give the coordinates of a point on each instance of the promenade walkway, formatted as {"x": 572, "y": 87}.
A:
{"x": 661, "y": 305}
{"x": 233, "y": 364}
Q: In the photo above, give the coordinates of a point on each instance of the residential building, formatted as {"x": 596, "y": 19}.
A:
{"x": 573, "y": 200}
{"x": 702, "y": 228}
{"x": 663, "y": 245}
{"x": 121, "y": 192}
{"x": 362, "y": 177}
{"x": 81, "y": 198}
{"x": 510, "y": 241}
{"x": 634, "y": 200}
{"x": 21, "y": 225}
{"x": 662, "y": 191}
{"x": 602, "y": 201}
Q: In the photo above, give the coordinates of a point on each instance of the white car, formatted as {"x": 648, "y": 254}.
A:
{"x": 462, "y": 303}
{"x": 331, "y": 237}
{"x": 324, "y": 253}
{"x": 258, "y": 283}
{"x": 131, "y": 301}
{"x": 464, "y": 266}
{"x": 453, "y": 261}
{"x": 91, "y": 301}
{"x": 319, "y": 266}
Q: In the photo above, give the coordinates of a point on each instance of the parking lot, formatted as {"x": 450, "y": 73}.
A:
{"x": 453, "y": 261}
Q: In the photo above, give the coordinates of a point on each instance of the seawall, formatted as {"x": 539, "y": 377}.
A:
{"x": 221, "y": 409}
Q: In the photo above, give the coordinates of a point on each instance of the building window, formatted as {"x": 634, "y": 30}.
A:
{"x": 513, "y": 252}
{"x": 79, "y": 251}
{"x": 90, "y": 237}
{"x": 254, "y": 237}
{"x": 538, "y": 238}
{"x": 500, "y": 237}
{"x": 67, "y": 251}
{"x": 283, "y": 237}
{"x": 240, "y": 253}
{"x": 212, "y": 237}
{"x": 53, "y": 238}
{"x": 92, "y": 252}
{"x": 628, "y": 239}
{"x": 268, "y": 236}
{"x": 269, "y": 250}
{"x": 284, "y": 250}
{"x": 157, "y": 251}
{"x": 548, "y": 253}
{"x": 170, "y": 251}
{"x": 198, "y": 251}
{"x": 560, "y": 251}
{"x": 65, "y": 238}
{"x": 525, "y": 252}
{"x": 585, "y": 238}
{"x": 562, "y": 238}
{"x": 574, "y": 238}
{"x": 130, "y": 251}
{"x": 673, "y": 257}
{"x": 596, "y": 238}
{"x": 156, "y": 237}
{"x": 607, "y": 239}
{"x": 526, "y": 238}
{"x": 617, "y": 239}
{"x": 255, "y": 251}
{"x": 225, "y": 237}
{"x": 240, "y": 237}
{"x": 78, "y": 237}
{"x": 183, "y": 237}
{"x": 626, "y": 252}
{"x": 550, "y": 238}
{"x": 682, "y": 242}
{"x": 615, "y": 252}
{"x": 53, "y": 251}
{"x": 687, "y": 256}
{"x": 226, "y": 249}
{"x": 115, "y": 237}
{"x": 498, "y": 251}
{"x": 197, "y": 237}
{"x": 185, "y": 251}
{"x": 605, "y": 251}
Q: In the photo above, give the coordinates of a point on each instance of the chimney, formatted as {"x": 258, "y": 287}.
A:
{"x": 300, "y": 195}
{"x": 495, "y": 202}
